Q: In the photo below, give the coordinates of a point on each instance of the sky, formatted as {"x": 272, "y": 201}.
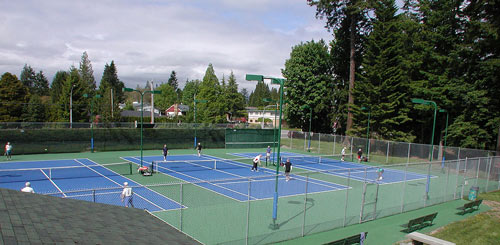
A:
{"x": 148, "y": 39}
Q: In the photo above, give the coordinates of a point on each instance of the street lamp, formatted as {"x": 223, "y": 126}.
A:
{"x": 310, "y": 120}
{"x": 71, "y": 106}
{"x": 281, "y": 82}
{"x": 367, "y": 130}
{"x": 91, "y": 122}
{"x": 195, "y": 126}
{"x": 429, "y": 102}
{"x": 274, "y": 125}
{"x": 142, "y": 108}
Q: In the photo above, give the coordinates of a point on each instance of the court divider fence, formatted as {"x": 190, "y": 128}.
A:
{"x": 214, "y": 218}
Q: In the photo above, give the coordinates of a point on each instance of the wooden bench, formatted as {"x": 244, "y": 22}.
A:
{"x": 419, "y": 223}
{"x": 356, "y": 239}
{"x": 419, "y": 238}
{"x": 469, "y": 207}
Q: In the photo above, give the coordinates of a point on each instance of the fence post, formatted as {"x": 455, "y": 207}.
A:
{"x": 305, "y": 206}
{"x": 489, "y": 172}
{"x": 180, "y": 215}
{"x": 456, "y": 183}
{"x": 248, "y": 209}
{"x": 409, "y": 151}
{"x": 427, "y": 184}
{"x": 447, "y": 179}
{"x": 334, "y": 143}
{"x": 93, "y": 195}
{"x": 404, "y": 188}
{"x": 291, "y": 139}
{"x": 305, "y": 142}
{"x": 387, "y": 155}
{"x": 319, "y": 143}
{"x": 346, "y": 196}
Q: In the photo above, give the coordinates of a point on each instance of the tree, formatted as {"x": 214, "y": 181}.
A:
{"x": 355, "y": 14}
{"x": 261, "y": 92}
{"x": 383, "y": 87}
{"x": 87, "y": 74}
{"x": 73, "y": 90}
{"x": 40, "y": 85}
{"x": 172, "y": 81}
{"x": 234, "y": 101}
{"x": 309, "y": 82}
{"x": 56, "y": 89}
{"x": 111, "y": 91}
{"x": 13, "y": 95}
{"x": 36, "y": 110}
{"x": 28, "y": 77}
{"x": 188, "y": 93}
{"x": 210, "y": 90}
{"x": 245, "y": 94}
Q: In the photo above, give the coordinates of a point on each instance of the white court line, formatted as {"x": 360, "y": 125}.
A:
{"x": 53, "y": 183}
{"x": 119, "y": 185}
{"x": 187, "y": 182}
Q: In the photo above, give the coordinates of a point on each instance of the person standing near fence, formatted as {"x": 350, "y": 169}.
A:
{"x": 360, "y": 154}
{"x": 343, "y": 153}
{"x": 288, "y": 169}
{"x": 127, "y": 195}
{"x": 27, "y": 188}
{"x": 198, "y": 148}
{"x": 268, "y": 154}
{"x": 165, "y": 152}
{"x": 256, "y": 161}
{"x": 8, "y": 151}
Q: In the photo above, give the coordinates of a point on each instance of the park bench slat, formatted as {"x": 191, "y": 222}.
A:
{"x": 470, "y": 207}
{"x": 355, "y": 239}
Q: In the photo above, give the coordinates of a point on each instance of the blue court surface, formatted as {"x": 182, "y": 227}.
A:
{"x": 339, "y": 168}
{"x": 50, "y": 177}
{"x": 234, "y": 179}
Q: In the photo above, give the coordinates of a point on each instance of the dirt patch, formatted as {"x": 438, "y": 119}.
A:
{"x": 495, "y": 208}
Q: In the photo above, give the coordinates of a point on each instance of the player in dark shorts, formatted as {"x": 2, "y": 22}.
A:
{"x": 288, "y": 168}
{"x": 198, "y": 148}
{"x": 256, "y": 162}
{"x": 165, "y": 152}
{"x": 268, "y": 154}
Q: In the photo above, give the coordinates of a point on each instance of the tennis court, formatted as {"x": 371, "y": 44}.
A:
{"x": 233, "y": 178}
{"x": 73, "y": 178}
{"x": 355, "y": 171}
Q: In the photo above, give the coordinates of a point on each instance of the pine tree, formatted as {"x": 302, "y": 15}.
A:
{"x": 234, "y": 101}
{"x": 28, "y": 77}
{"x": 55, "y": 93}
{"x": 111, "y": 91}
{"x": 210, "y": 90}
{"x": 87, "y": 74}
{"x": 172, "y": 80}
{"x": 41, "y": 85}
{"x": 261, "y": 92}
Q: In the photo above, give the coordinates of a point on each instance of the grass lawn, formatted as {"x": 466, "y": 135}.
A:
{"x": 481, "y": 229}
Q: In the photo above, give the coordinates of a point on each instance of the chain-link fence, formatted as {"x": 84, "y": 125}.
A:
{"x": 213, "y": 217}
{"x": 379, "y": 151}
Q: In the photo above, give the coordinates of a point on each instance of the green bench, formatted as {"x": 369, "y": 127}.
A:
{"x": 469, "y": 207}
{"x": 356, "y": 239}
{"x": 419, "y": 223}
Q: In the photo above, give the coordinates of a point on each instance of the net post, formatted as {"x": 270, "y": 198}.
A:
{"x": 130, "y": 167}
{"x": 215, "y": 164}
{"x": 93, "y": 195}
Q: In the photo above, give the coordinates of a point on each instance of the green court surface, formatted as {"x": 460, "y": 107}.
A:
{"x": 378, "y": 208}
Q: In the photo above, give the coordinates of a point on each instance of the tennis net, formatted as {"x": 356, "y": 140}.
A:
{"x": 200, "y": 165}
{"x": 70, "y": 172}
{"x": 312, "y": 159}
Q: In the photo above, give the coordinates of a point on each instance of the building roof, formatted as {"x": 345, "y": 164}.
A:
{"x": 128, "y": 113}
{"x": 181, "y": 108}
{"x": 27, "y": 218}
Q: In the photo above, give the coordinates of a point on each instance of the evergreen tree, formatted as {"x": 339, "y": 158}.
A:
{"x": 261, "y": 92}
{"x": 55, "y": 93}
{"x": 41, "y": 85}
{"x": 309, "y": 82}
{"x": 188, "y": 93}
{"x": 36, "y": 110}
{"x": 111, "y": 91}
{"x": 172, "y": 80}
{"x": 87, "y": 74}
{"x": 245, "y": 94}
{"x": 383, "y": 88}
{"x": 234, "y": 101}
{"x": 73, "y": 90}
{"x": 210, "y": 90}
{"x": 13, "y": 95}
{"x": 28, "y": 77}
{"x": 167, "y": 97}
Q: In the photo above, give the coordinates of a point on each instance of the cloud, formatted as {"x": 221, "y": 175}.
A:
{"x": 147, "y": 39}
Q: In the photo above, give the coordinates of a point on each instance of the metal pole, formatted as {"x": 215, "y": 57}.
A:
{"x": 274, "y": 135}
{"x": 456, "y": 182}
{"x": 71, "y": 107}
{"x": 310, "y": 121}
{"x": 404, "y": 188}
{"x": 319, "y": 143}
{"x": 433, "y": 129}
{"x": 368, "y": 134}
{"x": 195, "y": 126}
{"x": 180, "y": 215}
{"x": 489, "y": 172}
{"x": 142, "y": 115}
{"x": 91, "y": 129}
{"x": 275, "y": 201}
{"x": 248, "y": 210}
{"x": 346, "y": 195}
{"x": 112, "y": 110}
{"x": 387, "y": 153}
{"x": 152, "y": 105}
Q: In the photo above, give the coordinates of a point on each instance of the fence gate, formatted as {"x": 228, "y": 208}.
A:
{"x": 369, "y": 201}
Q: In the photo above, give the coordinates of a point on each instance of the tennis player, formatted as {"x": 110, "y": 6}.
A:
{"x": 198, "y": 147}
{"x": 343, "y": 153}
{"x": 256, "y": 161}
{"x": 8, "y": 151}
{"x": 27, "y": 188}
{"x": 165, "y": 152}
{"x": 380, "y": 171}
{"x": 268, "y": 154}
{"x": 288, "y": 169}
{"x": 127, "y": 195}
{"x": 360, "y": 153}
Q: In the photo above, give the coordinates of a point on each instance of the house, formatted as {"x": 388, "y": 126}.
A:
{"x": 177, "y": 110}
{"x": 255, "y": 114}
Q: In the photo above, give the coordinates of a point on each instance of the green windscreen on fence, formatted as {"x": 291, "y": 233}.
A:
{"x": 30, "y": 141}
{"x": 250, "y": 138}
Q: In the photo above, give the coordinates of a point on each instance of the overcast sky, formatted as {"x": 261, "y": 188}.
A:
{"x": 147, "y": 39}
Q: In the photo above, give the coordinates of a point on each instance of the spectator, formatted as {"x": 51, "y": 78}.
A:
{"x": 27, "y": 188}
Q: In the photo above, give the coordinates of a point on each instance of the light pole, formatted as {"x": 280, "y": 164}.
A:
{"x": 274, "y": 126}
{"x": 281, "y": 82}
{"x": 310, "y": 120}
{"x": 445, "y": 132}
{"x": 142, "y": 108}
{"x": 91, "y": 122}
{"x": 429, "y": 102}
{"x": 367, "y": 130}
{"x": 196, "y": 126}
{"x": 71, "y": 107}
